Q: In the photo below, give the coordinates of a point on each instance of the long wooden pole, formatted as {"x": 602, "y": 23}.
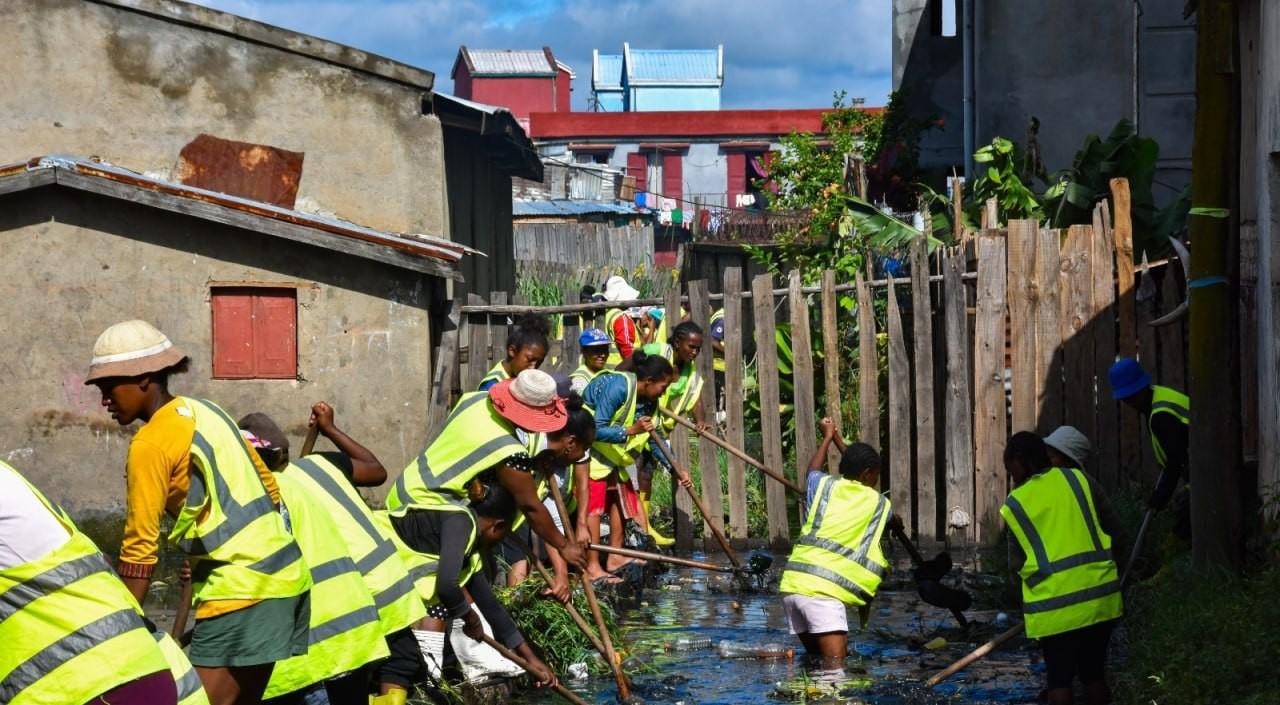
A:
{"x": 733, "y": 450}
{"x": 667, "y": 453}
{"x": 624, "y": 690}
{"x": 308, "y": 443}
{"x": 519, "y": 661}
{"x": 573, "y": 611}
{"x": 673, "y": 560}
{"x": 974, "y": 656}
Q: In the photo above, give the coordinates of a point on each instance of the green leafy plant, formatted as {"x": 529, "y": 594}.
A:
{"x": 549, "y": 625}
{"x": 999, "y": 177}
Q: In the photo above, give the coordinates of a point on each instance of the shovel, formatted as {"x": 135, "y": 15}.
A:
{"x": 928, "y": 575}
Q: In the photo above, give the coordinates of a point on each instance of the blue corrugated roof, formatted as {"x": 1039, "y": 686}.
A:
{"x": 567, "y": 206}
{"x": 610, "y": 72}
{"x": 674, "y": 65}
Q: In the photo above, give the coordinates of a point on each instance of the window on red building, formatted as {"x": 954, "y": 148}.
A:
{"x": 748, "y": 171}
{"x": 255, "y": 332}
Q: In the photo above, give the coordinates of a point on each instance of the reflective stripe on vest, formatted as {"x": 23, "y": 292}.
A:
{"x": 495, "y": 375}
{"x": 1069, "y": 579}
{"x": 825, "y": 560}
{"x": 69, "y": 628}
{"x": 424, "y": 567}
{"x": 375, "y": 554}
{"x": 584, "y": 375}
{"x": 343, "y": 630}
{"x": 1165, "y": 400}
{"x": 439, "y": 475}
{"x": 607, "y": 457}
{"x": 190, "y": 689}
{"x": 234, "y": 529}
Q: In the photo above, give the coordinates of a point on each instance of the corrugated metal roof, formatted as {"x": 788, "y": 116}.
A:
{"x": 567, "y": 206}
{"x": 610, "y": 72}
{"x": 508, "y": 62}
{"x": 674, "y": 66}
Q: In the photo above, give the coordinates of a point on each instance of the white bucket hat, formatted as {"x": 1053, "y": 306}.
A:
{"x": 1069, "y": 441}
{"x": 617, "y": 289}
{"x": 129, "y": 349}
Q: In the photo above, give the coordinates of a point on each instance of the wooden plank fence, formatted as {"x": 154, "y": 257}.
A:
{"x": 573, "y": 247}
{"x": 1045, "y": 328}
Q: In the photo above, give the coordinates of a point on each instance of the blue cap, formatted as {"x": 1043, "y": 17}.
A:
{"x": 657, "y": 314}
{"x": 593, "y": 336}
{"x": 1127, "y": 378}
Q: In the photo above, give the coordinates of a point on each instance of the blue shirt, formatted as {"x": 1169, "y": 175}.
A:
{"x": 605, "y": 395}
{"x": 814, "y": 477}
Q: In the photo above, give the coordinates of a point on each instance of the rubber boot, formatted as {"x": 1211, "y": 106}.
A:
{"x": 395, "y": 696}
{"x": 653, "y": 533}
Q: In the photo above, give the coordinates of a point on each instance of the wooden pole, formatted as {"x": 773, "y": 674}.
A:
{"x": 681, "y": 505}
{"x": 665, "y": 450}
{"x": 611, "y": 656}
{"x": 868, "y": 368}
{"x": 515, "y": 658}
{"x": 770, "y": 423}
{"x": 958, "y": 409}
{"x": 735, "y": 428}
{"x": 831, "y": 362}
{"x": 733, "y": 450}
{"x": 974, "y": 656}
{"x": 927, "y": 495}
{"x": 673, "y": 560}
{"x": 309, "y": 443}
{"x": 573, "y": 611}
{"x": 803, "y": 405}
{"x": 900, "y": 482}
{"x": 989, "y": 414}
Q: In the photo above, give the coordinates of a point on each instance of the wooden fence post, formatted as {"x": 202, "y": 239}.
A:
{"x": 1022, "y": 326}
{"x": 1107, "y": 443}
{"x": 868, "y": 368}
{"x": 1146, "y": 312}
{"x": 441, "y": 399}
{"x": 570, "y": 327}
{"x": 804, "y": 405}
{"x": 1078, "y": 327}
{"x": 497, "y": 332}
{"x": 708, "y": 456}
{"x": 478, "y": 346}
{"x": 989, "y": 398}
{"x": 959, "y": 415}
{"x": 927, "y": 497}
{"x": 900, "y": 484}
{"x": 682, "y": 511}
{"x": 735, "y": 430}
{"x": 1048, "y": 313}
{"x": 831, "y": 362}
{"x": 1131, "y": 440}
{"x": 770, "y": 423}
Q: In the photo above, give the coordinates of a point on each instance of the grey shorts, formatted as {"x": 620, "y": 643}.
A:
{"x": 815, "y": 615}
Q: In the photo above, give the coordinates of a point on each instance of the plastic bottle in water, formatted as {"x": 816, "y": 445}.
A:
{"x": 737, "y": 649}
{"x": 688, "y": 644}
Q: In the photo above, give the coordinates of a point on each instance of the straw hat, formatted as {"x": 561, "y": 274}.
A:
{"x": 130, "y": 349}
{"x": 530, "y": 401}
{"x": 1069, "y": 441}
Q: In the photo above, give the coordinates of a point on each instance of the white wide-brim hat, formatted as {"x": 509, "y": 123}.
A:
{"x": 617, "y": 289}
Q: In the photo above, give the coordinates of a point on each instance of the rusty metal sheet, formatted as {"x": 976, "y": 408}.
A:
{"x": 258, "y": 172}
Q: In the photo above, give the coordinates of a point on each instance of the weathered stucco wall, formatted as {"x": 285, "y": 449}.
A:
{"x": 92, "y": 79}
{"x": 75, "y": 263}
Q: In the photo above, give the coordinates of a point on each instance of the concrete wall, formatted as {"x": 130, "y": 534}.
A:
{"x": 927, "y": 72}
{"x": 76, "y": 263}
{"x": 133, "y": 88}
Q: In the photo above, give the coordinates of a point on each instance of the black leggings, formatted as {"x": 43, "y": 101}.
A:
{"x": 1080, "y": 653}
{"x": 405, "y": 666}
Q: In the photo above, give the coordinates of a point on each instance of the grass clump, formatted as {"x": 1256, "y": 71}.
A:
{"x": 547, "y": 624}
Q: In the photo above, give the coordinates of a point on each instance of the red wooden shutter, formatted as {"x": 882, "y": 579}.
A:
{"x": 737, "y": 184}
{"x": 672, "y": 175}
{"x": 638, "y": 166}
{"x": 275, "y": 333}
{"x": 232, "y": 333}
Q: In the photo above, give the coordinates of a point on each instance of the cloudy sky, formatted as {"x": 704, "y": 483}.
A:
{"x": 778, "y": 54}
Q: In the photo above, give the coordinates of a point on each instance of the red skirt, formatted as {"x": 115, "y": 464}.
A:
{"x": 603, "y": 494}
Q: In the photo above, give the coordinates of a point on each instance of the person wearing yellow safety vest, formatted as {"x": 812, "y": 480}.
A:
{"x": 594, "y": 345}
{"x": 189, "y": 460}
{"x": 445, "y": 543}
{"x": 526, "y": 349}
{"x": 682, "y": 397}
{"x": 71, "y": 633}
{"x": 623, "y": 404}
{"x": 346, "y": 628}
{"x": 333, "y": 478}
{"x": 479, "y": 437}
{"x": 618, "y": 322}
{"x": 1070, "y": 584}
{"x": 717, "y": 354}
{"x": 837, "y": 560}
{"x": 1168, "y": 414}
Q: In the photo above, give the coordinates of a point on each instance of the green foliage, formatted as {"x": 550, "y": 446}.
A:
{"x": 999, "y": 177}
{"x": 548, "y": 625}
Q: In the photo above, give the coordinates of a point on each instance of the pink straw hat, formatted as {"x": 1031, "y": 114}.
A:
{"x": 530, "y": 401}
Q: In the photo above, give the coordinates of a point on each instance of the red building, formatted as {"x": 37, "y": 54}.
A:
{"x": 524, "y": 81}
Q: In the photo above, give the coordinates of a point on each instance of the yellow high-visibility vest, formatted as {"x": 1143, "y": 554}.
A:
{"x": 689, "y": 396}
{"x": 1165, "y": 400}
{"x": 496, "y": 374}
{"x": 608, "y": 457}
{"x": 475, "y": 438}
{"x": 69, "y": 629}
{"x": 583, "y": 375}
{"x": 229, "y": 527}
{"x": 1069, "y": 579}
{"x": 344, "y": 633}
{"x": 838, "y": 553}
{"x": 375, "y": 556}
{"x": 424, "y": 567}
{"x": 190, "y": 689}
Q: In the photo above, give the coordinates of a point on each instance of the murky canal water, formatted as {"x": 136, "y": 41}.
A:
{"x": 890, "y": 664}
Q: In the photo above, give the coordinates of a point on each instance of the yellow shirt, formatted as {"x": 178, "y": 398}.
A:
{"x": 157, "y": 479}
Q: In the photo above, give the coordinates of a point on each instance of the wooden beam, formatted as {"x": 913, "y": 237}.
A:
{"x": 682, "y": 508}
{"x": 1048, "y": 316}
{"x": 989, "y": 429}
{"x": 735, "y": 428}
{"x": 770, "y": 401}
{"x": 868, "y": 369}
{"x": 804, "y": 404}
{"x": 441, "y": 398}
{"x": 1022, "y": 314}
{"x": 831, "y": 362}
{"x": 708, "y": 454}
{"x": 959, "y": 415}
{"x": 927, "y": 496}
{"x": 900, "y": 481}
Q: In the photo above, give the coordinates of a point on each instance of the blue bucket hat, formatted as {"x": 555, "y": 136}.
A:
{"x": 592, "y": 337}
{"x": 1127, "y": 378}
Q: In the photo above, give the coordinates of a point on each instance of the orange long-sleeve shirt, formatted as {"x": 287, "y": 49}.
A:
{"x": 157, "y": 476}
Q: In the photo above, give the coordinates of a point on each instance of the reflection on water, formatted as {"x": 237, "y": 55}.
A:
{"x": 886, "y": 670}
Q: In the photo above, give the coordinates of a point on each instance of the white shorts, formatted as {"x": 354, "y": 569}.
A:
{"x": 815, "y": 615}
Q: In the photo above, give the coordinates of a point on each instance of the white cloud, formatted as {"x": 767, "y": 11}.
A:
{"x": 791, "y": 53}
